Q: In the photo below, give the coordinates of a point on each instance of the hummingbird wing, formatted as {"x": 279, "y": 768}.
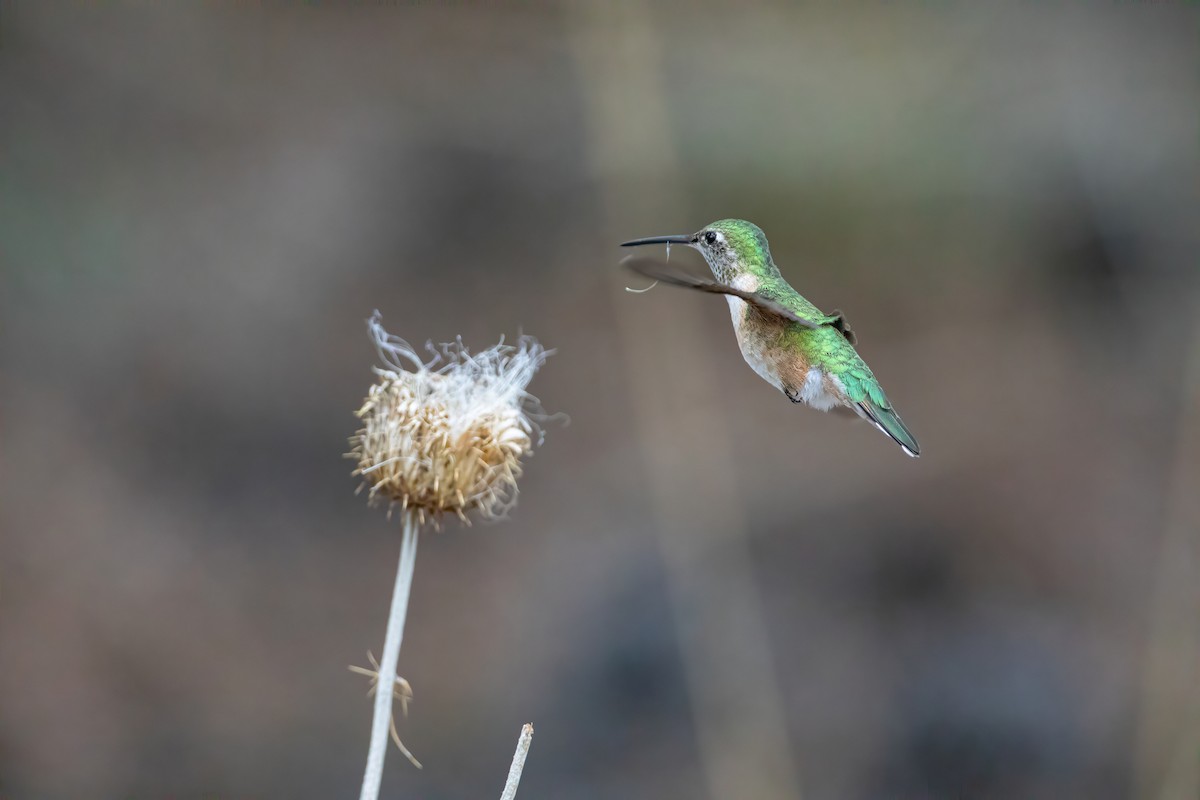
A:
{"x": 666, "y": 273}
{"x": 843, "y": 327}
{"x": 782, "y": 294}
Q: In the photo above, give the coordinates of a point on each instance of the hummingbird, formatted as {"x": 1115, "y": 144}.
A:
{"x": 788, "y": 341}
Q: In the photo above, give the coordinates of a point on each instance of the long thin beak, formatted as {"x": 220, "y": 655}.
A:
{"x": 686, "y": 239}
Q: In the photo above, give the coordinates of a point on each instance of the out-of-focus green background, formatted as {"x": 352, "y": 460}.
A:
{"x": 705, "y": 591}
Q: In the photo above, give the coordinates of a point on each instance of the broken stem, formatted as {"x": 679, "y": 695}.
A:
{"x": 518, "y": 763}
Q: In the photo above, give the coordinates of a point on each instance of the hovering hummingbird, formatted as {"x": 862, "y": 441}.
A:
{"x": 806, "y": 354}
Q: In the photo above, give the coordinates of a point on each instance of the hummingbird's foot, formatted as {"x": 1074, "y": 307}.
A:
{"x": 792, "y": 393}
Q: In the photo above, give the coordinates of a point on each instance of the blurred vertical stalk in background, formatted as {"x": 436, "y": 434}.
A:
{"x": 697, "y": 508}
{"x": 1168, "y": 735}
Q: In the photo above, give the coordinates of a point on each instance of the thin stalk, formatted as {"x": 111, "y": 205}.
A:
{"x": 696, "y": 507}
{"x": 518, "y": 763}
{"x": 381, "y": 724}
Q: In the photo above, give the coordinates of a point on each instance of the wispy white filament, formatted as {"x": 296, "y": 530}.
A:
{"x": 447, "y": 433}
{"x": 468, "y": 385}
{"x": 651, "y": 286}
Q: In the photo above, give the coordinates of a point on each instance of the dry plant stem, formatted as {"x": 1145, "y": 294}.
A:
{"x": 381, "y": 724}
{"x": 518, "y": 763}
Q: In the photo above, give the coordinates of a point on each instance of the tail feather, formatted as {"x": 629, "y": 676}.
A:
{"x": 889, "y": 422}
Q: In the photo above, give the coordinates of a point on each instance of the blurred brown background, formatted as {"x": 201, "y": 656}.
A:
{"x": 705, "y": 591}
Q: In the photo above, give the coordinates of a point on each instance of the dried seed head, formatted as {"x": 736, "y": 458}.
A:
{"x": 447, "y": 435}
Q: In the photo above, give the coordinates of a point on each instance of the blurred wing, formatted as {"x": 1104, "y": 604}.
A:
{"x": 658, "y": 271}
{"x": 839, "y": 322}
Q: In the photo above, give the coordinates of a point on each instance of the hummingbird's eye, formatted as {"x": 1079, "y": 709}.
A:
{"x": 710, "y": 238}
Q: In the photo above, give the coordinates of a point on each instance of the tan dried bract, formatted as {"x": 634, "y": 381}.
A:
{"x": 448, "y": 435}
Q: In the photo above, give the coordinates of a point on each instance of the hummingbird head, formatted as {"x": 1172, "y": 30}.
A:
{"x": 730, "y": 246}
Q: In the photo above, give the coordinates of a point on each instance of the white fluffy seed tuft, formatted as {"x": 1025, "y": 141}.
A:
{"x": 447, "y": 435}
